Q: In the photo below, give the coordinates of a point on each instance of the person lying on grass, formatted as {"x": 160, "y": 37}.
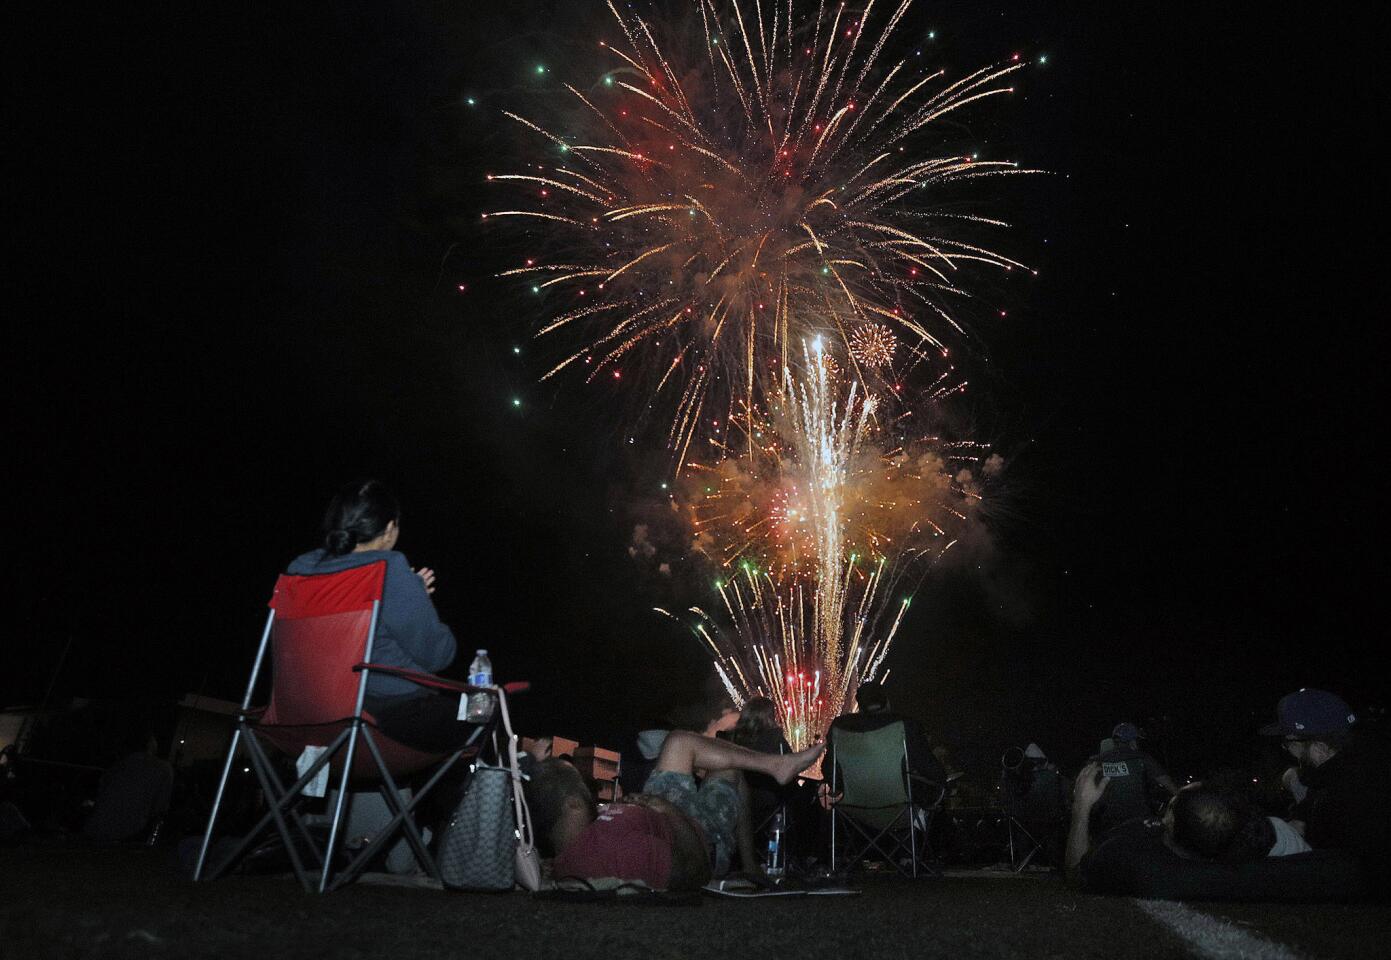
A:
{"x": 1209, "y": 820}
{"x": 675, "y": 834}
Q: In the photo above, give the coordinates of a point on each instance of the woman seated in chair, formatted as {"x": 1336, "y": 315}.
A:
{"x": 757, "y": 729}
{"x": 361, "y": 526}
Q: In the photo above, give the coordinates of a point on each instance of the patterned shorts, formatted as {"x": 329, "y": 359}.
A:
{"x": 713, "y": 804}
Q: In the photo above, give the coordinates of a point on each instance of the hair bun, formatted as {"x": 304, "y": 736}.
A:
{"x": 340, "y": 541}
{"x": 359, "y": 513}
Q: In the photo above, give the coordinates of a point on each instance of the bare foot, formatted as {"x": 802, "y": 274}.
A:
{"x": 791, "y": 764}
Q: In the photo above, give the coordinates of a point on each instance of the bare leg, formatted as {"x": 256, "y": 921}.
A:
{"x": 744, "y": 827}
{"x": 683, "y": 752}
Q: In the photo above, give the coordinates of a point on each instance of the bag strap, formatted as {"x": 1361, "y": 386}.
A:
{"x": 522, "y": 811}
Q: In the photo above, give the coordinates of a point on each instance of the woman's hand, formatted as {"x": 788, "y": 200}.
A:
{"x": 427, "y": 577}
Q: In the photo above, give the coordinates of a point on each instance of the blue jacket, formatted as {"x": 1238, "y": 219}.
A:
{"x": 409, "y": 632}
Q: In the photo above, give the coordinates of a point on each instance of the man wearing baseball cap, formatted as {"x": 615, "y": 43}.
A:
{"x": 1348, "y": 772}
{"x": 1138, "y": 784}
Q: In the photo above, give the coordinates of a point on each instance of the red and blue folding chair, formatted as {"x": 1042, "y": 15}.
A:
{"x": 320, "y": 631}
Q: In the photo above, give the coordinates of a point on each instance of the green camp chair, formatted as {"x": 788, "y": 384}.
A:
{"x": 878, "y": 802}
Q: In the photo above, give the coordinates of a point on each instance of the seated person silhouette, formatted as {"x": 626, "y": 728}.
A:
{"x": 362, "y": 525}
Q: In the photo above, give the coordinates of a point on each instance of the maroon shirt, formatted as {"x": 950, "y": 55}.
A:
{"x": 625, "y": 841}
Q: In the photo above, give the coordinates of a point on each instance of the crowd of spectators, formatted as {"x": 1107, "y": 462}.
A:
{"x": 1212, "y": 839}
{"x": 689, "y": 802}
{"x": 1124, "y": 827}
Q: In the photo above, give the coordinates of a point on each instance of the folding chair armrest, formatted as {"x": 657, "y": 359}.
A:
{"x": 421, "y": 679}
{"x": 437, "y": 683}
{"x": 936, "y": 789}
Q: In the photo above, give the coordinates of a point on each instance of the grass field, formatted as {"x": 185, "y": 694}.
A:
{"x": 83, "y": 902}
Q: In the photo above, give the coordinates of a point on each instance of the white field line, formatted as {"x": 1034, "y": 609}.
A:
{"x": 1213, "y": 938}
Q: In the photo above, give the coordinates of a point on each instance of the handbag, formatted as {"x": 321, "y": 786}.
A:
{"x": 528, "y": 859}
{"x": 486, "y": 845}
{"x": 477, "y": 851}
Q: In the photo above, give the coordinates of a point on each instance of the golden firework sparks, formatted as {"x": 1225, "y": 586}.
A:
{"x": 873, "y": 345}
{"x": 713, "y": 201}
{"x": 721, "y": 194}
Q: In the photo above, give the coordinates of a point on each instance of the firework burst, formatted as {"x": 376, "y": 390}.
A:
{"x": 901, "y": 496}
{"x": 722, "y": 194}
{"x": 811, "y": 617}
{"x": 757, "y": 221}
{"x": 772, "y": 648}
{"x": 873, "y": 345}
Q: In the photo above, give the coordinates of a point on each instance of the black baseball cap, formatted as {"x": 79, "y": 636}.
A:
{"x": 1308, "y": 713}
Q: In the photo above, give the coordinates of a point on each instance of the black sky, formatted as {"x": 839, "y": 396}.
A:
{"x": 235, "y": 239}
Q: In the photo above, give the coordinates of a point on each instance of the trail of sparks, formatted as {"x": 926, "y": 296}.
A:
{"x": 810, "y": 617}
{"x": 772, "y": 649}
{"x": 765, "y": 176}
{"x": 762, "y": 182}
{"x": 901, "y": 492}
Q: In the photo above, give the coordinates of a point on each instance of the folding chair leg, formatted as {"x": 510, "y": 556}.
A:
{"x": 391, "y": 793}
{"x": 261, "y": 764}
{"x": 890, "y": 844}
{"x": 913, "y": 841}
{"x": 924, "y": 845}
{"x": 409, "y": 828}
{"x": 280, "y": 791}
{"x": 834, "y": 817}
{"x": 217, "y": 805}
{"x": 401, "y": 816}
{"x": 278, "y": 798}
{"x": 338, "y": 807}
{"x": 1034, "y": 847}
{"x": 409, "y": 831}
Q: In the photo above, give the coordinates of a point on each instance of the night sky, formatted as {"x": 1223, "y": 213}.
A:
{"x": 236, "y": 238}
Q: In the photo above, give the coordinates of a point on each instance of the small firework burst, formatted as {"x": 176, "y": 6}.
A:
{"x": 873, "y": 345}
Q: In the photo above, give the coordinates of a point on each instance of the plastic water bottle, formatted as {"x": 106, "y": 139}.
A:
{"x": 480, "y": 674}
{"x": 775, "y": 864}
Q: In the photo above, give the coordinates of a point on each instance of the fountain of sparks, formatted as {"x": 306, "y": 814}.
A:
{"x": 731, "y": 186}
{"x": 808, "y": 639}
